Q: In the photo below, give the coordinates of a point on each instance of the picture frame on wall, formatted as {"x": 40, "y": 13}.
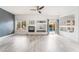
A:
{"x": 70, "y": 22}
{"x": 70, "y": 29}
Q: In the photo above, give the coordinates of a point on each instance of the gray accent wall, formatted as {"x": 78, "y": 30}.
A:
{"x": 7, "y": 22}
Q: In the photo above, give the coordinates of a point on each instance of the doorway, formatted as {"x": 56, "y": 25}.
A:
{"x": 20, "y": 26}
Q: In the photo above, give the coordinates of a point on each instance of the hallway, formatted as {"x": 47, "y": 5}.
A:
{"x": 46, "y": 43}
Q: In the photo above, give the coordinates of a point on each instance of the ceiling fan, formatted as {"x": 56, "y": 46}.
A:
{"x": 38, "y": 9}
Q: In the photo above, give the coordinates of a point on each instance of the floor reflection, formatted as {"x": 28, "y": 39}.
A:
{"x": 39, "y": 43}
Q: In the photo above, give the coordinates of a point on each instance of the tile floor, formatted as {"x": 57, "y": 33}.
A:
{"x": 41, "y": 43}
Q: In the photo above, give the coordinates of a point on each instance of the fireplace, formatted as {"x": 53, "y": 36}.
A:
{"x": 31, "y": 28}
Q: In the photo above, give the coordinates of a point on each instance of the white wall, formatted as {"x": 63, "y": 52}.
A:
{"x": 33, "y": 17}
{"x": 64, "y": 12}
{"x": 74, "y": 35}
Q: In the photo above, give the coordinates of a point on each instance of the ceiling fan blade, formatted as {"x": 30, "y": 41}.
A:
{"x": 41, "y": 7}
{"x": 39, "y": 12}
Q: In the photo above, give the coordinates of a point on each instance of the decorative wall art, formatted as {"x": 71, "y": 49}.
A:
{"x": 70, "y": 29}
{"x": 70, "y": 22}
{"x": 21, "y": 25}
{"x": 37, "y": 27}
{"x": 31, "y": 26}
{"x": 67, "y": 23}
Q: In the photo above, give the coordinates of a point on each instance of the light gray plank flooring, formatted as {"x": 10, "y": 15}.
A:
{"x": 38, "y": 43}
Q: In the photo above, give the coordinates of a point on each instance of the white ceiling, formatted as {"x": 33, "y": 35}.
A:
{"x": 49, "y": 10}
